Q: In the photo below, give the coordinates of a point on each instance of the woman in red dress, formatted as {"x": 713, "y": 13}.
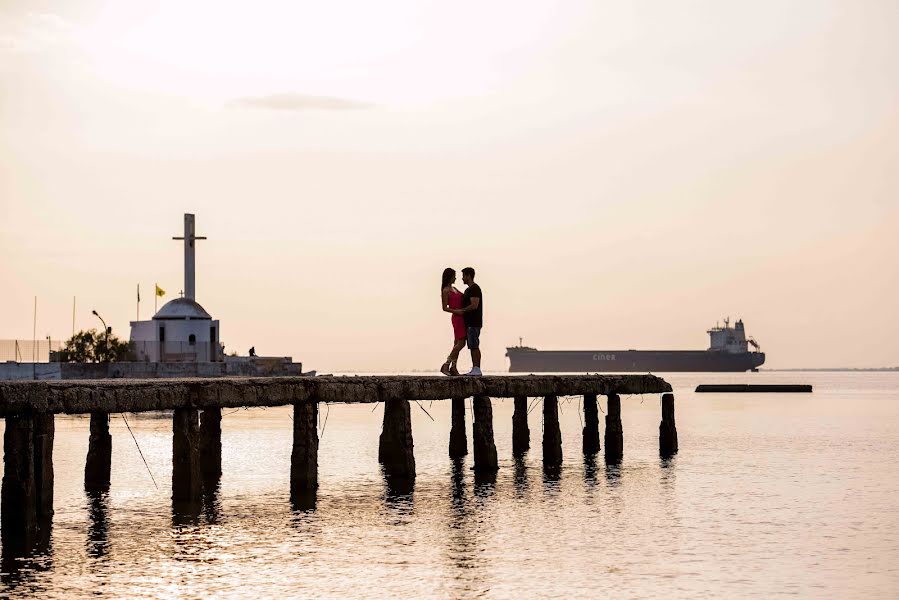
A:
{"x": 451, "y": 301}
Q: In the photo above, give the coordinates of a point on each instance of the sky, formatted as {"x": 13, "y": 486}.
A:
{"x": 621, "y": 174}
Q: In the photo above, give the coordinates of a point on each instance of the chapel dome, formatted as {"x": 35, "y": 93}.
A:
{"x": 182, "y": 308}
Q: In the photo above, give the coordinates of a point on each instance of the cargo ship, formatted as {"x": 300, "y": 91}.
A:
{"x": 729, "y": 351}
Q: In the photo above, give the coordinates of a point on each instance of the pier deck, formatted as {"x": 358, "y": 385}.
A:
{"x": 29, "y": 407}
{"x": 140, "y": 395}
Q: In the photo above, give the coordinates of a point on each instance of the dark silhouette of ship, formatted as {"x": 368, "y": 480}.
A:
{"x": 728, "y": 351}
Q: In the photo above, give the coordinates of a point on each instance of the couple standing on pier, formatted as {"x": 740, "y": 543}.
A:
{"x": 468, "y": 318}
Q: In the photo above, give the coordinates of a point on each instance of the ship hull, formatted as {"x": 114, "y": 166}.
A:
{"x": 527, "y": 360}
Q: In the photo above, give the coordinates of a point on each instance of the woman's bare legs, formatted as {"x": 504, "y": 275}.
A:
{"x": 449, "y": 367}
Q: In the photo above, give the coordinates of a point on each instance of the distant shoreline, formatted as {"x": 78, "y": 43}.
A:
{"x": 837, "y": 369}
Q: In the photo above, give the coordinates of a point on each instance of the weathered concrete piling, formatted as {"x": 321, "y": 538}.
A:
{"x": 43, "y": 434}
{"x": 211, "y": 444}
{"x": 458, "y": 443}
{"x": 395, "y": 444}
{"x": 485, "y": 459}
{"x": 614, "y": 434}
{"x": 552, "y": 435}
{"x": 186, "y": 472}
{"x": 98, "y": 466}
{"x": 591, "y": 425}
{"x": 667, "y": 429}
{"x": 17, "y": 496}
{"x": 304, "y": 457}
{"x": 521, "y": 435}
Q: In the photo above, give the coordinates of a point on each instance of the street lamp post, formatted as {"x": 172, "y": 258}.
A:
{"x": 105, "y": 337}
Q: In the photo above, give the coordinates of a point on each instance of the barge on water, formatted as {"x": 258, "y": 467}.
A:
{"x": 728, "y": 352}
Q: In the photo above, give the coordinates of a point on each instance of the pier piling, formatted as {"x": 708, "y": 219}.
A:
{"x": 614, "y": 435}
{"x": 591, "y": 425}
{"x": 552, "y": 435}
{"x": 395, "y": 450}
{"x": 18, "y": 502}
{"x": 211, "y": 444}
{"x": 458, "y": 444}
{"x": 521, "y": 435}
{"x": 43, "y": 434}
{"x": 667, "y": 429}
{"x": 304, "y": 457}
{"x": 186, "y": 473}
{"x": 485, "y": 459}
{"x": 98, "y": 466}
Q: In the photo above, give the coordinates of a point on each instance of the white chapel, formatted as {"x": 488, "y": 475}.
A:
{"x": 182, "y": 330}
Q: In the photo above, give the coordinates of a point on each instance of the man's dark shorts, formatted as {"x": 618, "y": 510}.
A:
{"x": 474, "y": 338}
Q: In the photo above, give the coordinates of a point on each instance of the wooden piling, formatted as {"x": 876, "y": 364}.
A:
{"x": 44, "y": 432}
{"x": 614, "y": 436}
{"x": 458, "y": 443}
{"x": 552, "y": 435}
{"x": 211, "y": 444}
{"x": 98, "y": 467}
{"x": 186, "y": 473}
{"x": 485, "y": 459}
{"x": 18, "y": 506}
{"x": 395, "y": 450}
{"x": 304, "y": 457}
{"x": 667, "y": 429}
{"x": 591, "y": 425}
{"x": 521, "y": 435}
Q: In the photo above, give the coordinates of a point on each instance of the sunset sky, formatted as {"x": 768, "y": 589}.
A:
{"x": 621, "y": 174}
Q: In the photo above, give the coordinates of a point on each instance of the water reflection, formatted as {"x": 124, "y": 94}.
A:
{"x": 186, "y": 512}
{"x": 613, "y": 474}
{"x": 304, "y": 501}
{"x": 26, "y": 555}
{"x": 463, "y": 545}
{"x": 484, "y": 484}
{"x": 552, "y": 478}
{"x": 98, "y": 529}
{"x": 398, "y": 493}
{"x": 521, "y": 478}
{"x": 212, "y": 502}
{"x": 590, "y": 472}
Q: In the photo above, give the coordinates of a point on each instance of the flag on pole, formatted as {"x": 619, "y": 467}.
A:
{"x": 159, "y": 291}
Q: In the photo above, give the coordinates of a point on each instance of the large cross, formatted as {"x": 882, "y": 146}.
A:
{"x": 189, "y": 256}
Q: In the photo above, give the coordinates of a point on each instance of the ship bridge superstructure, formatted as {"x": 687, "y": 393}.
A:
{"x": 729, "y": 339}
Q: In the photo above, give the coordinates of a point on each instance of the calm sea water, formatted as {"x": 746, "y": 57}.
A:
{"x": 770, "y": 495}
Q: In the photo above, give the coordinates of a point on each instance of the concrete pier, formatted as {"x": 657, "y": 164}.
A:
{"x": 211, "y": 444}
{"x": 485, "y": 459}
{"x": 521, "y": 435}
{"x": 186, "y": 472}
{"x": 395, "y": 450}
{"x": 29, "y": 406}
{"x": 304, "y": 457}
{"x": 667, "y": 429}
{"x": 591, "y": 425}
{"x": 552, "y": 435}
{"x": 98, "y": 466}
{"x": 614, "y": 435}
{"x": 458, "y": 443}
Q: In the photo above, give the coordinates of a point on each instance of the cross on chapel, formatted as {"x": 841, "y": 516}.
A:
{"x": 189, "y": 256}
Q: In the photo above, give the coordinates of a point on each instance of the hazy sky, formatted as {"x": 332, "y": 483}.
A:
{"x": 621, "y": 174}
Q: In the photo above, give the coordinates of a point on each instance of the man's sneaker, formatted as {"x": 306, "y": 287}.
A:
{"x": 475, "y": 372}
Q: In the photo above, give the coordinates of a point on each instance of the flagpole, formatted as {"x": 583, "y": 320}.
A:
{"x": 138, "y": 302}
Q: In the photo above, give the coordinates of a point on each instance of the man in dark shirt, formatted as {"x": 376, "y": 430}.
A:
{"x": 473, "y": 313}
